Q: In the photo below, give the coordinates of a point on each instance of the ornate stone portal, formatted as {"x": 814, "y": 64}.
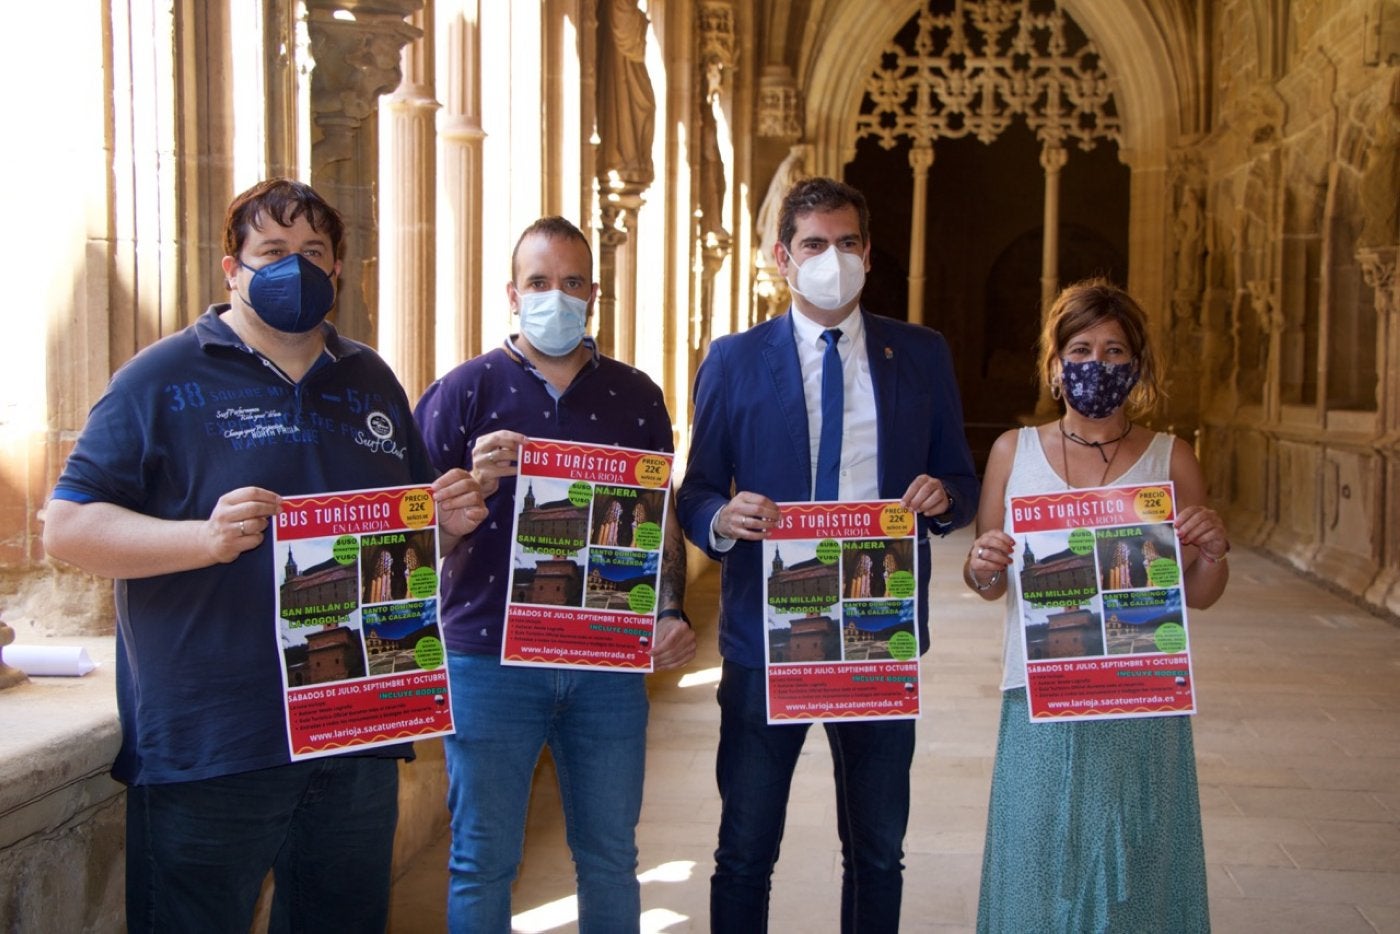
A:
{"x": 970, "y": 72}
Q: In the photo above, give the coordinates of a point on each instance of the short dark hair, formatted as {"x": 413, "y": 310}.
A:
{"x": 1088, "y": 303}
{"x": 553, "y": 227}
{"x": 283, "y": 200}
{"x": 819, "y": 194}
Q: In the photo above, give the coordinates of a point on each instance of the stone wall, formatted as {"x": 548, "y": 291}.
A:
{"x": 1297, "y": 372}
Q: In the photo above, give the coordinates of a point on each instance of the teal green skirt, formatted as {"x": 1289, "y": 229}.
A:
{"x": 1094, "y": 826}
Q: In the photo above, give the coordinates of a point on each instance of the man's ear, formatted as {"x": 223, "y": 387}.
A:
{"x": 782, "y": 257}
{"x": 512, "y": 297}
{"x": 230, "y": 266}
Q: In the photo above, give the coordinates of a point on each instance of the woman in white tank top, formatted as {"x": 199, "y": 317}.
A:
{"x": 1094, "y": 825}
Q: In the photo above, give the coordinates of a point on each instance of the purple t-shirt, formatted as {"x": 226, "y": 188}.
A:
{"x": 607, "y": 403}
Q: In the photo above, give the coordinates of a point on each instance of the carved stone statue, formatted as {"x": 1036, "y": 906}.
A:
{"x": 626, "y": 102}
{"x": 791, "y": 171}
{"x": 770, "y": 291}
{"x": 1189, "y": 228}
{"x": 712, "y": 182}
{"x": 1380, "y": 179}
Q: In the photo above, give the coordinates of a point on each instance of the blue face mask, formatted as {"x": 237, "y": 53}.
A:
{"x": 1096, "y": 389}
{"x": 291, "y": 295}
{"x": 553, "y": 322}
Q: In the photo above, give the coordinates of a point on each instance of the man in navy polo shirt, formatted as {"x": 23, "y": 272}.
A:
{"x": 171, "y": 490}
{"x": 548, "y": 381}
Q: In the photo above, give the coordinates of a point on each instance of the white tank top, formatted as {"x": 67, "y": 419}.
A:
{"x": 1031, "y": 473}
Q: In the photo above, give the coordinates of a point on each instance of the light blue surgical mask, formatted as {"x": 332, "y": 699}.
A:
{"x": 553, "y": 322}
{"x": 292, "y": 295}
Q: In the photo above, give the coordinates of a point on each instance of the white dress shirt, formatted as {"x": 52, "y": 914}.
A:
{"x": 859, "y": 477}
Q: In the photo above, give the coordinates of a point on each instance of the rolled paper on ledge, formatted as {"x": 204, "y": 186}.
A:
{"x": 49, "y": 660}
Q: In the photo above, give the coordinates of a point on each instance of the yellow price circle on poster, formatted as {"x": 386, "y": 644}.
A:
{"x": 1152, "y": 504}
{"x": 653, "y": 471}
{"x": 896, "y": 521}
{"x": 416, "y": 508}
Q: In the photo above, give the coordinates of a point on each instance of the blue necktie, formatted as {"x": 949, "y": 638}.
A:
{"x": 833, "y": 405}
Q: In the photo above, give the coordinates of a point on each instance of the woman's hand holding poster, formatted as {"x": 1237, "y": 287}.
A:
{"x": 1103, "y": 618}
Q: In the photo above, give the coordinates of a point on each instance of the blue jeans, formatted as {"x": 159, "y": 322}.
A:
{"x": 197, "y": 852}
{"x": 754, "y": 769}
{"x": 594, "y": 723}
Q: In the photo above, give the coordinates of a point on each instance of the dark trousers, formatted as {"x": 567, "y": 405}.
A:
{"x": 198, "y": 852}
{"x": 754, "y": 769}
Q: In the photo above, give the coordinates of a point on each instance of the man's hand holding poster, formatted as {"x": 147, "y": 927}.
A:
{"x": 841, "y": 626}
{"x": 590, "y": 522}
{"x": 357, "y": 620}
{"x": 1103, "y": 617}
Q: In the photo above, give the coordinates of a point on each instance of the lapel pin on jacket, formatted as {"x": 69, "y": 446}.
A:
{"x": 889, "y": 353}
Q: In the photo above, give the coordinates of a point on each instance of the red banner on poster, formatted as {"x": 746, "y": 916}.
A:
{"x": 357, "y": 620}
{"x": 1103, "y": 617}
{"x": 589, "y": 528}
{"x": 841, "y": 625}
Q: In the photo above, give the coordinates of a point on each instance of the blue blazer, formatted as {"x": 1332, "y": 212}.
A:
{"x": 750, "y": 434}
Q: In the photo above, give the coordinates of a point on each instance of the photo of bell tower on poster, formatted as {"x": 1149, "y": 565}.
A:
{"x": 1103, "y": 618}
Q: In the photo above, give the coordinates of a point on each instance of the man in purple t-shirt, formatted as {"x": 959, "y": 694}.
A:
{"x": 547, "y": 381}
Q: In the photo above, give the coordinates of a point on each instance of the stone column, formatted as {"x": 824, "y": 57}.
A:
{"x": 716, "y": 36}
{"x": 408, "y": 278}
{"x": 280, "y": 81}
{"x": 920, "y": 161}
{"x": 459, "y": 130}
{"x": 1378, "y": 268}
{"x": 1052, "y": 159}
{"x": 617, "y": 274}
{"x": 356, "y": 61}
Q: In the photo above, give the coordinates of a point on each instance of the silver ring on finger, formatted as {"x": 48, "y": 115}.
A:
{"x": 241, "y": 530}
{"x": 979, "y": 552}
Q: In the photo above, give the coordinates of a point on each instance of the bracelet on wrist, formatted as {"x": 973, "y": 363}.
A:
{"x": 978, "y": 585}
{"x": 672, "y": 613}
{"x": 1223, "y": 555}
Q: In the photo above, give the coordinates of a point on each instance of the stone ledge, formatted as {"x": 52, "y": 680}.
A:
{"x": 57, "y": 744}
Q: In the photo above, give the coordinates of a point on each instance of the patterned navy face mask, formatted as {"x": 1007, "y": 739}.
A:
{"x": 1096, "y": 389}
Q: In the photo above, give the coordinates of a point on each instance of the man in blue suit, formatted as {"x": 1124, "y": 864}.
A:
{"x": 893, "y": 430}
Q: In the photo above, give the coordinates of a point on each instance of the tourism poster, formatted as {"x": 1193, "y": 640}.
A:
{"x": 585, "y": 568}
{"x": 357, "y": 620}
{"x": 841, "y": 623}
{"x": 1103, "y": 616}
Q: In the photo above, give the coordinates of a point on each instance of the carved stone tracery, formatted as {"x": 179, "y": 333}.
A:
{"x": 779, "y": 104}
{"x": 969, "y": 72}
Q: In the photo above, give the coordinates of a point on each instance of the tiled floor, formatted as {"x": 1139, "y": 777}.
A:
{"x": 1298, "y": 741}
